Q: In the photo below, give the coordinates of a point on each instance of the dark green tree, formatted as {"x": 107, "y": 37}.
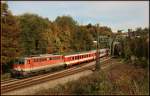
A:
{"x": 34, "y": 33}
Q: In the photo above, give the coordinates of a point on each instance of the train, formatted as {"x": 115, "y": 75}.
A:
{"x": 28, "y": 66}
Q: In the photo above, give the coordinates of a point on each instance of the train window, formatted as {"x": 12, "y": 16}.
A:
{"x": 44, "y": 59}
{"x": 21, "y": 61}
{"x": 35, "y": 60}
{"x": 28, "y": 61}
{"x": 53, "y": 58}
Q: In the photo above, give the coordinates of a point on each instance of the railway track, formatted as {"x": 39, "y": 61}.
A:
{"x": 8, "y": 80}
{"x": 10, "y": 86}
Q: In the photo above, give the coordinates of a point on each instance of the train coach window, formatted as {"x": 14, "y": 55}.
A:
{"x": 28, "y": 61}
{"x": 76, "y": 57}
{"x": 35, "y": 60}
{"x": 79, "y": 57}
{"x": 55, "y": 58}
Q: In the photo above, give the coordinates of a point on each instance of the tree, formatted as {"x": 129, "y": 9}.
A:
{"x": 10, "y": 45}
{"x": 67, "y": 26}
{"x": 34, "y": 33}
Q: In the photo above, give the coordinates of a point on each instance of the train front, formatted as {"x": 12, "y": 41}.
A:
{"x": 18, "y": 68}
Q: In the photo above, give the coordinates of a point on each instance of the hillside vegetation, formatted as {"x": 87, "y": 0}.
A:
{"x": 120, "y": 79}
{"x": 31, "y": 34}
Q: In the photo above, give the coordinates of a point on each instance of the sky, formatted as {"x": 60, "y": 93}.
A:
{"x": 118, "y": 15}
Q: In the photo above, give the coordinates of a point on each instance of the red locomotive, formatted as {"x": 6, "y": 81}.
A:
{"x": 28, "y": 66}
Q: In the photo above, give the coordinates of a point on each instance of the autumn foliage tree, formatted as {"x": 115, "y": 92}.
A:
{"x": 30, "y": 34}
{"x": 10, "y": 36}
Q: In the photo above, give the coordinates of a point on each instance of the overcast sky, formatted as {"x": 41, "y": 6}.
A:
{"x": 115, "y": 14}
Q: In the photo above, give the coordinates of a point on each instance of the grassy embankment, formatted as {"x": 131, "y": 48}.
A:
{"x": 5, "y": 76}
{"x": 120, "y": 79}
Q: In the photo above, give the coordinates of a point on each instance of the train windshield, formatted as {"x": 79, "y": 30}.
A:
{"x": 20, "y": 61}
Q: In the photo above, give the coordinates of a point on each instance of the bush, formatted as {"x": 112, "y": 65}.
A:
{"x": 122, "y": 80}
{"x": 141, "y": 62}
